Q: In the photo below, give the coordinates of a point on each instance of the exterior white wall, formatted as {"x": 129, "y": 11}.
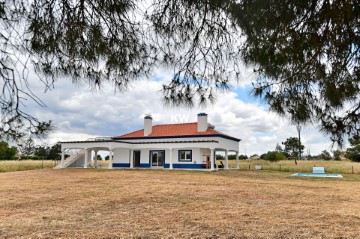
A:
{"x": 223, "y": 143}
{"x": 198, "y": 156}
{"x": 145, "y": 156}
{"x": 121, "y": 155}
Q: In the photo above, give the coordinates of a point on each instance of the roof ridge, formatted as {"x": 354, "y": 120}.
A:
{"x": 175, "y": 124}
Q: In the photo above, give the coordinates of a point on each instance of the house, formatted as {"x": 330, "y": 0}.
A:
{"x": 170, "y": 146}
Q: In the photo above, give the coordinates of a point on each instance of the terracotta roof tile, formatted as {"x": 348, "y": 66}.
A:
{"x": 172, "y": 130}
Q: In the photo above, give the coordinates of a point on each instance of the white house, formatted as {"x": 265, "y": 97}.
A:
{"x": 171, "y": 146}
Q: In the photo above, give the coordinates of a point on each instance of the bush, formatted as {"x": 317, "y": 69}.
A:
{"x": 353, "y": 153}
{"x": 337, "y": 154}
{"x": 325, "y": 155}
{"x": 243, "y": 157}
{"x": 274, "y": 156}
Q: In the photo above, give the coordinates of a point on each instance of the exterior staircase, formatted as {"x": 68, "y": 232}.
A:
{"x": 74, "y": 161}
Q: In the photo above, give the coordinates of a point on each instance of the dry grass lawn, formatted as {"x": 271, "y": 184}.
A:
{"x": 332, "y": 166}
{"x": 22, "y": 165}
{"x": 78, "y": 203}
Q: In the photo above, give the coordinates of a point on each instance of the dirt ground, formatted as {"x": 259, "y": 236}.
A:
{"x": 80, "y": 203}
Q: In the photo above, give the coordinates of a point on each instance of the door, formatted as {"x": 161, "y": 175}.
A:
{"x": 157, "y": 158}
{"x": 137, "y": 158}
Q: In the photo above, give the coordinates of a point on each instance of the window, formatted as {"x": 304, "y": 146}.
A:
{"x": 157, "y": 158}
{"x": 185, "y": 155}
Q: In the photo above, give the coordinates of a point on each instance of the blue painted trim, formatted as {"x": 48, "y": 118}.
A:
{"x": 121, "y": 165}
{"x": 179, "y": 153}
{"x": 150, "y": 154}
{"x": 186, "y": 166}
{"x": 145, "y": 165}
{"x": 180, "y": 136}
{"x": 202, "y": 114}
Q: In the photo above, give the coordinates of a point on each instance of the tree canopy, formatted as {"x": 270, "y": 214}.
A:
{"x": 353, "y": 153}
{"x": 292, "y": 146}
{"x": 305, "y": 53}
{"x": 6, "y": 152}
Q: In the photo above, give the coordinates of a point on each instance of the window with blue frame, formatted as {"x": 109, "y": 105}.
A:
{"x": 185, "y": 155}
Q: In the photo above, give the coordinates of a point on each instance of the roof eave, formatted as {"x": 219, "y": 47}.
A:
{"x": 178, "y": 136}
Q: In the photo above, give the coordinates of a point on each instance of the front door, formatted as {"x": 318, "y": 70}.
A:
{"x": 137, "y": 158}
{"x": 157, "y": 158}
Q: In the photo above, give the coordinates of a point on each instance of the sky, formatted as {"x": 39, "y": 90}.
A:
{"x": 80, "y": 113}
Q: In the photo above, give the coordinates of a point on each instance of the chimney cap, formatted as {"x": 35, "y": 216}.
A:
{"x": 148, "y": 116}
{"x": 202, "y": 114}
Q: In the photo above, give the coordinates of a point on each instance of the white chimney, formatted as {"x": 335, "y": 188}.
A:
{"x": 147, "y": 125}
{"x": 202, "y": 122}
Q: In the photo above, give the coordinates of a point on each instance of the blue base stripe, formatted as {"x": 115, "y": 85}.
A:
{"x": 175, "y": 165}
{"x": 186, "y": 166}
{"x": 121, "y": 165}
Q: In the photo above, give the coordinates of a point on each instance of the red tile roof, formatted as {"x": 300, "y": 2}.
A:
{"x": 174, "y": 130}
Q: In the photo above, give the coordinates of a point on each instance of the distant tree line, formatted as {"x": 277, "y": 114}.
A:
{"x": 28, "y": 150}
{"x": 292, "y": 147}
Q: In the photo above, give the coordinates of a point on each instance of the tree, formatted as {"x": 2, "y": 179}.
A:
{"x": 243, "y": 157}
{"x": 55, "y": 152}
{"x": 219, "y": 157}
{"x": 337, "y": 155}
{"x": 325, "y": 155}
{"x": 6, "y": 152}
{"x": 42, "y": 151}
{"x": 353, "y": 153}
{"x": 274, "y": 156}
{"x": 27, "y": 147}
{"x": 293, "y": 147}
{"x": 305, "y": 53}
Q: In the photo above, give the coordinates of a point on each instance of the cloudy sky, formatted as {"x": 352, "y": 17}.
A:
{"x": 80, "y": 113}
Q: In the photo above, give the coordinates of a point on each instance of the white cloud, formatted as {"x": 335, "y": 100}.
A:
{"x": 80, "y": 114}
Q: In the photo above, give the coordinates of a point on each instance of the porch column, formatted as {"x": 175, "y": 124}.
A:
{"x": 95, "y": 159}
{"x": 171, "y": 160}
{"x": 212, "y": 151}
{"x": 86, "y": 158}
{"x": 110, "y": 158}
{"x": 62, "y": 158}
{"x": 226, "y": 159}
{"x": 237, "y": 159}
{"x": 131, "y": 158}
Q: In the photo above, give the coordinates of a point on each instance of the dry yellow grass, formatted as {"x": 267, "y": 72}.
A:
{"x": 78, "y": 203}
{"x": 22, "y": 165}
{"x": 346, "y": 167}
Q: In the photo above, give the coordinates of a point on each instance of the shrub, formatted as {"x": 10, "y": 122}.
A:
{"x": 353, "y": 153}
{"x": 243, "y": 157}
{"x": 274, "y": 156}
{"x": 325, "y": 155}
{"x": 337, "y": 154}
